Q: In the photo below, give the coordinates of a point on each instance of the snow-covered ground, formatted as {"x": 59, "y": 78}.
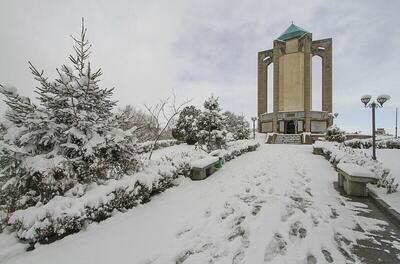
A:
{"x": 390, "y": 159}
{"x": 274, "y": 205}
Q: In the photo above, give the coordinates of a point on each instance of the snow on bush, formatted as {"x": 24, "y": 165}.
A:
{"x": 384, "y": 142}
{"x": 70, "y": 137}
{"x": 237, "y": 125}
{"x": 235, "y": 149}
{"x": 64, "y": 215}
{"x": 333, "y": 133}
{"x": 186, "y": 128}
{"x": 211, "y": 125}
{"x": 146, "y": 146}
{"x": 82, "y": 205}
{"x": 336, "y": 152}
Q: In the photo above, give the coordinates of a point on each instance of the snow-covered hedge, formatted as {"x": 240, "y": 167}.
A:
{"x": 381, "y": 143}
{"x": 64, "y": 215}
{"x": 336, "y": 152}
{"x": 146, "y": 146}
{"x": 333, "y": 133}
{"x": 82, "y": 205}
{"x": 235, "y": 149}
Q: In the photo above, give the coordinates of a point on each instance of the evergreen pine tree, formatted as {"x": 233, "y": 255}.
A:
{"x": 70, "y": 137}
{"x": 212, "y": 125}
{"x": 186, "y": 127}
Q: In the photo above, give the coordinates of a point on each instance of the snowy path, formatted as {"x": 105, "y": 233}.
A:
{"x": 275, "y": 205}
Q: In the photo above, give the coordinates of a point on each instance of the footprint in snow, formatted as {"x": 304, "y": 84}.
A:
{"x": 311, "y": 259}
{"x": 228, "y": 211}
{"x": 300, "y": 202}
{"x": 183, "y": 231}
{"x": 289, "y": 211}
{"x": 327, "y": 255}
{"x": 239, "y": 220}
{"x": 256, "y": 209}
{"x": 238, "y": 257}
{"x": 334, "y": 213}
{"x": 248, "y": 198}
{"x": 315, "y": 220}
{"x": 297, "y": 229}
{"x": 275, "y": 247}
{"x": 308, "y": 191}
{"x": 181, "y": 258}
{"x": 237, "y": 232}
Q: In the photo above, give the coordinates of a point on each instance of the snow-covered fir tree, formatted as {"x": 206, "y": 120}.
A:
{"x": 70, "y": 137}
{"x": 237, "y": 126}
{"x": 333, "y": 133}
{"x": 186, "y": 128}
{"x": 212, "y": 132}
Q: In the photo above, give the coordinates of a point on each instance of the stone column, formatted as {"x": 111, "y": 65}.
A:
{"x": 327, "y": 78}
{"x": 278, "y": 45}
{"x": 262, "y": 98}
{"x": 307, "y": 82}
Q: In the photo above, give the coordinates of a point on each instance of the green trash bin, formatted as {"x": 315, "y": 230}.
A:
{"x": 219, "y": 163}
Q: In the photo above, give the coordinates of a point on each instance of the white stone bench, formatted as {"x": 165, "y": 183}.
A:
{"x": 318, "y": 150}
{"x": 354, "y": 178}
{"x": 203, "y": 168}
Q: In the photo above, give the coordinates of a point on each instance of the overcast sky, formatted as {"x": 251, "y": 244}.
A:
{"x": 148, "y": 48}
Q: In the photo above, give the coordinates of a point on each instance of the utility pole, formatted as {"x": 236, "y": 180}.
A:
{"x": 396, "y": 123}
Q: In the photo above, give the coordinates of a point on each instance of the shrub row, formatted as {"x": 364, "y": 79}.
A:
{"x": 385, "y": 143}
{"x": 146, "y": 146}
{"x": 336, "y": 152}
{"x": 64, "y": 215}
{"x": 235, "y": 149}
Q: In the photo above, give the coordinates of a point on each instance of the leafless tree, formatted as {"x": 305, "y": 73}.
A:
{"x": 129, "y": 117}
{"x": 163, "y": 114}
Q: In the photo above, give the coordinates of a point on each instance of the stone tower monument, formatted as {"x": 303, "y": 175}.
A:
{"x": 291, "y": 57}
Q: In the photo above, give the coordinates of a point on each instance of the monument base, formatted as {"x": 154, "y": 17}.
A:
{"x": 295, "y": 122}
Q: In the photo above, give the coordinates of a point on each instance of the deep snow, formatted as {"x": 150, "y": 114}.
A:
{"x": 274, "y": 205}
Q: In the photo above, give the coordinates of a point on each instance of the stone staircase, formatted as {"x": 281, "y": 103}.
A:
{"x": 288, "y": 139}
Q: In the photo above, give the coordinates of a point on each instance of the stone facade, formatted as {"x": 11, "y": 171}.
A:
{"x": 291, "y": 57}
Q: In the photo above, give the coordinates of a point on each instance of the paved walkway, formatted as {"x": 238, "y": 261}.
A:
{"x": 275, "y": 205}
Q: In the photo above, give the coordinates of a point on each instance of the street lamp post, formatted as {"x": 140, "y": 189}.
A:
{"x": 254, "y": 126}
{"x": 396, "y": 124}
{"x": 373, "y": 105}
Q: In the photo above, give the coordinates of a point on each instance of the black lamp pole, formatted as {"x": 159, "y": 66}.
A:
{"x": 373, "y": 105}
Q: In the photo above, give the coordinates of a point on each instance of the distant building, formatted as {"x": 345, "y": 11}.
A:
{"x": 291, "y": 59}
{"x": 380, "y": 131}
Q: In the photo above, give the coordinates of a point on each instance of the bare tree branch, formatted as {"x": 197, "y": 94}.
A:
{"x": 160, "y": 110}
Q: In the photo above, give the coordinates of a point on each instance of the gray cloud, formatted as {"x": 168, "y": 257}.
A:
{"x": 147, "y": 48}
